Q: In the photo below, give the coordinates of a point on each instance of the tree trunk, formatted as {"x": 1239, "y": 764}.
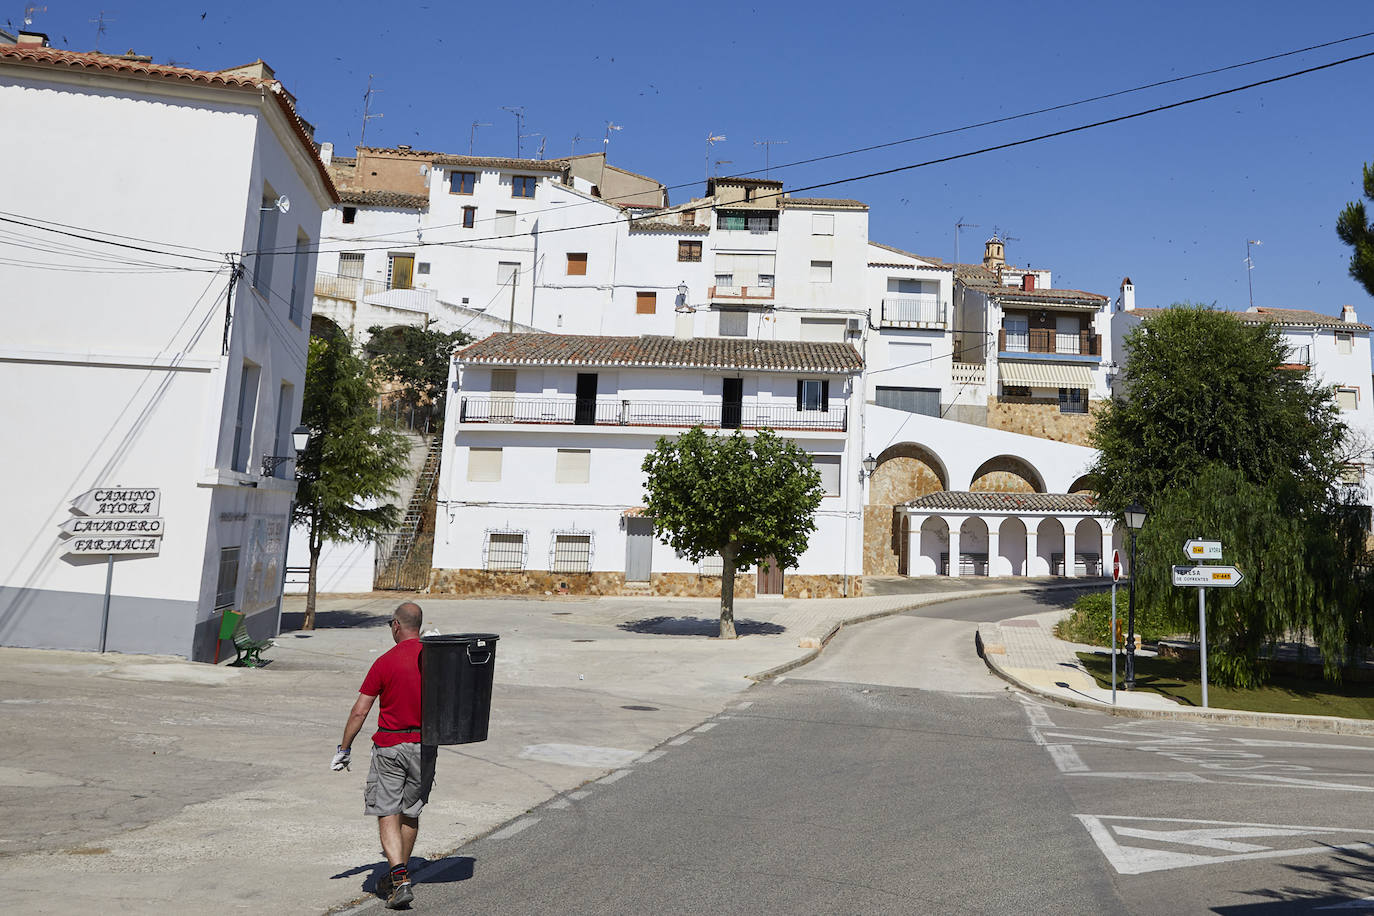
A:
{"x": 315, "y": 545}
{"x": 727, "y": 594}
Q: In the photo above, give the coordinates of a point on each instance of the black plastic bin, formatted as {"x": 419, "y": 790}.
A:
{"x": 455, "y": 687}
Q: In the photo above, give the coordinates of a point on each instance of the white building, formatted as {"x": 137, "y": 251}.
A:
{"x": 130, "y": 356}
{"x": 541, "y": 488}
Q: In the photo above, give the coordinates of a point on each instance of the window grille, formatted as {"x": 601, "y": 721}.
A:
{"x": 226, "y": 591}
{"x": 712, "y": 566}
{"x": 571, "y": 551}
{"x": 1073, "y": 400}
{"x": 505, "y": 550}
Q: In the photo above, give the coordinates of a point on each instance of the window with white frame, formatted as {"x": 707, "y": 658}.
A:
{"x": 734, "y": 323}
{"x": 829, "y": 468}
{"x": 1347, "y": 399}
{"x": 813, "y": 394}
{"x": 822, "y": 224}
{"x": 484, "y": 465}
{"x": 1345, "y": 343}
{"x": 571, "y": 552}
{"x": 351, "y": 264}
{"x": 821, "y": 271}
{"x": 507, "y": 274}
{"x": 573, "y": 465}
{"x": 505, "y": 551}
{"x": 505, "y": 222}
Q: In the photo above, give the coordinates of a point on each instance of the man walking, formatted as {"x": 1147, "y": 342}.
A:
{"x": 398, "y": 781}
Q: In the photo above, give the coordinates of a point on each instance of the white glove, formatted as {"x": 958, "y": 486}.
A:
{"x": 342, "y": 759}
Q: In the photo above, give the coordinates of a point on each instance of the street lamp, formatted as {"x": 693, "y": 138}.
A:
{"x": 300, "y": 438}
{"x": 682, "y": 292}
{"x": 1135, "y": 520}
{"x": 870, "y": 464}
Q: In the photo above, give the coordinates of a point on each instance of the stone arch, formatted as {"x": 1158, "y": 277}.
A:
{"x": 905, "y": 471}
{"x": 1007, "y": 474}
{"x": 1086, "y": 484}
{"x": 1011, "y": 549}
{"x": 325, "y": 328}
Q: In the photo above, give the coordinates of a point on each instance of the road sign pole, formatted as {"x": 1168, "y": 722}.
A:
{"x": 1202, "y": 637}
{"x": 1113, "y": 642}
{"x": 105, "y": 611}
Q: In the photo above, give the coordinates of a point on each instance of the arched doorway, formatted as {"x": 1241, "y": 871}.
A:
{"x": 905, "y": 471}
{"x": 1007, "y": 474}
{"x": 934, "y": 544}
{"x": 1049, "y": 542}
{"x": 1011, "y": 549}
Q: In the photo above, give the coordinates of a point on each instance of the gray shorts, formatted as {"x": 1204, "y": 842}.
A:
{"x": 397, "y": 781}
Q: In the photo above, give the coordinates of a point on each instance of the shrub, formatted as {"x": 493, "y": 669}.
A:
{"x": 1091, "y": 620}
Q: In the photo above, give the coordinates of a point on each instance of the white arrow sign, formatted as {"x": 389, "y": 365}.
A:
{"x": 149, "y": 527}
{"x": 141, "y": 502}
{"x": 1202, "y": 550}
{"x": 117, "y": 545}
{"x": 1208, "y": 576}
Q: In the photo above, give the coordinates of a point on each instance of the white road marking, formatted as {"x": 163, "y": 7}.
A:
{"x": 1150, "y": 777}
{"x": 681, "y": 739}
{"x": 1223, "y": 836}
{"x": 650, "y": 757}
{"x": 1037, "y": 715}
{"x": 1309, "y": 783}
{"x": 1066, "y": 758}
{"x": 614, "y": 777}
{"x": 1073, "y": 736}
{"x": 579, "y": 794}
{"x": 704, "y": 728}
{"x": 975, "y": 696}
{"x": 512, "y": 829}
{"x": 1037, "y": 737}
{"x": 579, "y": 755}
{"x": 1263, "y": 742}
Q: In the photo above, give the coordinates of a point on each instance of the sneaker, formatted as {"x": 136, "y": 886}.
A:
{"x": 384, "y": 885}
{"x": 401, "y": 895}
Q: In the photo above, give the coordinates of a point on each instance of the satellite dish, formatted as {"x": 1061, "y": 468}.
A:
{"x": 283, "y": 204}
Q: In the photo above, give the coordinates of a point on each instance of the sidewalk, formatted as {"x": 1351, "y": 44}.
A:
{"x": 1025, "y": 652}
{"x": 142, "y": 783}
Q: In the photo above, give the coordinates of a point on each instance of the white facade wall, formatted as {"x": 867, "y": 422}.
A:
{"x": 131, "y": 387}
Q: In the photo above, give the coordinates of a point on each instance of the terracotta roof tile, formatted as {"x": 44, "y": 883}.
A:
{"x": 377, "y": 198}
{"x": 727, "y": 353}
{"x": 52, "y": 58}
{"x": 1005, "y": 502}
{"x": 497, "y": 162}
{"x": 1291, "y": 318}
{"x": 823, "y": 203}
{"x": 661, "y": 224}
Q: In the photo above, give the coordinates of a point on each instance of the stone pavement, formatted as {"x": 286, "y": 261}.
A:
{"x": 1025, "y": 652}
{"x": 142, "y": 783}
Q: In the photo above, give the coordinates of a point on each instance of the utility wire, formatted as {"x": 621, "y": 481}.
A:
{"x": 88, "y": 238}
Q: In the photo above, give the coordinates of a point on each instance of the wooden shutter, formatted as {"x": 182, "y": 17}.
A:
{"x": 825, "y": 395}
{"x": 577, "y": 264}
{"x": 484, "y": 464}
{"x": 646, "y": 303}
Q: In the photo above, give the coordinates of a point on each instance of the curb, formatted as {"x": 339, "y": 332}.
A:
{"x": 1334, "y": 725}
{"x": 835, "y": 628}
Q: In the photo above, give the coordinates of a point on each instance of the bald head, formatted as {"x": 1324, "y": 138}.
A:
{"x": 409, "y": 618}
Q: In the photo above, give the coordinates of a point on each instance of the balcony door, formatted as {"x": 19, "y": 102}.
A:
{"x": 585, "y": 410}
{"x": 402, "y": 271}
{"x": 1066, "y": 338}
{"x": 731, "y": 403}
{"x": 503, "y": 395}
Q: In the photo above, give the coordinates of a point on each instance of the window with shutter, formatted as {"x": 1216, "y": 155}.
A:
{"x": 813, "y": 394}
{"x": 646, "y": 303}
{"x": 1347, "y": 398}
{"x": 829, "y": 468}
{"x": 484, "y": 465}
{"x": 577, "y": 264}
{"x": 821, "y": 271}
{"x": 573, "y": 465}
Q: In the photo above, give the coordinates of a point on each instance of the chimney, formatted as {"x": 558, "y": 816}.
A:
{"x": 1127, "y": 295}
{"x": 1027, "y": 282}
{"x": 994, "y": 254}
{"x": 32, "y": 39}
{"x": 326, "y": 153}
{"x": 1348, "y": 314}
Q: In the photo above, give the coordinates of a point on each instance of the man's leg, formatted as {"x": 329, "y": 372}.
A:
{"x": 409, "y": 828}
{"x": 394, "y": 846}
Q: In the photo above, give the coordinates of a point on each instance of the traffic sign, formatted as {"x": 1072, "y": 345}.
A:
{"x": 1197, "y": 549}
{"x": 1208, "y": 576}
{"x": 111, "y": 546}
{"x": 139, "y": 502}
{"x": 148, "y": 527}
{"x": 1116, "y": 566}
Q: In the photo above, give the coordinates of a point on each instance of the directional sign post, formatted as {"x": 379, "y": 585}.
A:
{"x": 1202, "y": 578}
{"x": 1116, "y": 577}
{"x": 114, "y": 521}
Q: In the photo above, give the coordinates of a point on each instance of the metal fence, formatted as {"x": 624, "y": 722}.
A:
{"x": 674, "y": 414}
{"x": 900, "y": 310}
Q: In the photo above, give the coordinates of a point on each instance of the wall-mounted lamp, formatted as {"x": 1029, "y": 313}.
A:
{"x": 870, "y": 464}
{"x": 300, "y": 438}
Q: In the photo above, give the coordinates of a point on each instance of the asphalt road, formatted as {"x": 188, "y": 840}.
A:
{"x": 895, "y": 775}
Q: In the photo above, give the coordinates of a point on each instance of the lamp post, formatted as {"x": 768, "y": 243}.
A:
{"x": 1135, "y": 520}
{"x": 870, "y": 464}
{"x": 300, "y": 438}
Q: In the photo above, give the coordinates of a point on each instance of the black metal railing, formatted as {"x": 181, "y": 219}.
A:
{"x": 673, "y": 414}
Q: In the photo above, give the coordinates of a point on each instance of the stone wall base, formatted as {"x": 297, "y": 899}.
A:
{"x": 676, "y": 585}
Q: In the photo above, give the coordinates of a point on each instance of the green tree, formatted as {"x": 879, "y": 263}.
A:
{"x": 1218, "y": 441}
{"x": 1357, "y": 232}
{"x": 746, "y": 498}
{"x": 415, "y": 358}
{"x": 351, "y": 465}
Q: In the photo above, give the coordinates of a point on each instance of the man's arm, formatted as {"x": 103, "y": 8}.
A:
{"x": 357, "y": 717}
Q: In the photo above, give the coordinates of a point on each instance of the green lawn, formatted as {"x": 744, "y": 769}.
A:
{"x": 1180, "y": 680}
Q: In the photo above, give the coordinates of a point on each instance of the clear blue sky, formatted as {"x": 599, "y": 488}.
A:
{"x": 1168, "y": 199}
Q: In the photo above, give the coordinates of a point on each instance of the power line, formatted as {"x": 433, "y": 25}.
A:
{"x": 99, "y": 241}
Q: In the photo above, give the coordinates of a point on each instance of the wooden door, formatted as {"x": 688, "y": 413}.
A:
{"x": 639, "y": 549}
{"x": 503, "y": 395}
{"x": 770, "y": 577}
{"x": 402, "y": 271}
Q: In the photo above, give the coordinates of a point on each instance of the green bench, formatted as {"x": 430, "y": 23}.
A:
{"x": 249, "y": 649}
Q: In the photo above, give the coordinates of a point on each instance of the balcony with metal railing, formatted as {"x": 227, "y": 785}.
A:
{"x": 914, "y": 312}
{"x": 351, "y": 289}
{"x": 1049, "y": 341}
{"x": 741, "y": 293}
{"x": 606, "y": 412}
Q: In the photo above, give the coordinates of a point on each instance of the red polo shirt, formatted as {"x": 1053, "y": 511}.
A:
{"x": 395, "y": 677}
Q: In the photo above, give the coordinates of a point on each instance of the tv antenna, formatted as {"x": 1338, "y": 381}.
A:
{"x": 606, "y": 143}
{"x": 540, "y": 154}
{"x": 720, "y": 162}
{"x": 767, "y": 149}
{"x": 577, "y": 138}
{"x": 519, "y": 112}
{"x": 712, "y": 140}
{"x": 959, "y": 226}
{"x": 30, "y": 10}
{"x": 367, "y": 109}
{"x": 1249, "y": 266}
{"x": 101, "y": 20}
{"x": 472, "y": 134}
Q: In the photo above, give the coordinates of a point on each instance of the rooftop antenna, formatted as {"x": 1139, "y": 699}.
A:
{"x": 720, "y": 162}
{"x": 367, "y": 109}
{"x": 540, "y": 154}
{"x": 959, "y": 226}
{"x": 606, "y": 143}
{"x": 472, "y": 134}
{"x": 30, "y": 10}
{"x": 1249, "y": 266}
{"x": 577, "y": 138}
{"x": 100, "y": 21}
{"x": 519, "y": 112}
{"x": 712, "y": 140}
{"x": 767, "y": 148}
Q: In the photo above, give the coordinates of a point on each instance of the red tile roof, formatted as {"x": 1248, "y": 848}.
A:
{"x": 1006, "y": 502}
{"x": 137, "y": 69}
{"x": 1290, "y": 318}
{"x": 655, "y": 352}
{"x": 823, "y": 203}
{"x": 396, "y": 200}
